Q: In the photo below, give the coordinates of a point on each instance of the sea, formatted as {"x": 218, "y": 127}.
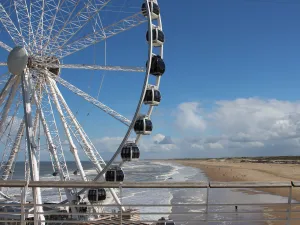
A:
{"x": 167, "y": 171}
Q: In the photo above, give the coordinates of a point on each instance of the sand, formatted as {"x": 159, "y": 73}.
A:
{"x": 234, "y": 170}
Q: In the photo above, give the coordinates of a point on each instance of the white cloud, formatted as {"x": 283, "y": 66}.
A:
{"x": 197, "y": 146}
{"x": 188, "y": 116}
{"x": 214, "y": 145}
{"x": 158, "y": 138}
{"x": 108, "y": 144}
{"x": 248, "y": 126}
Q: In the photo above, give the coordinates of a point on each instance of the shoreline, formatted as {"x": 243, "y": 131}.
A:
{"x": 233, "y": 170}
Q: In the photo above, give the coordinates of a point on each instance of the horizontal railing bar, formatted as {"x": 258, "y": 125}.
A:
{"x": 167, "y": 205}
{"x": 149, "y": 221}
{"x": 159, "y": 213}
{"x": 92, "y": 184}
{"x": 247, "y": 184}
{"x": 161, "y": 205}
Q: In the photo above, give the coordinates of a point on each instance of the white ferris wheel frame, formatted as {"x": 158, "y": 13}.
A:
{"x": 36, "y": 44}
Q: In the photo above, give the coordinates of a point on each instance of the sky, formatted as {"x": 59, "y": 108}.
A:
{"x": 231, "y": 85}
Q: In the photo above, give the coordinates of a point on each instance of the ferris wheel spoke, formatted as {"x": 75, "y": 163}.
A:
{"x": 5, "y": 46}
{"x": 7, "y": 168}
{"x": 73, "y": 148}
{"x": 62, "y": 7}
{"x": 80, "y": 20}
{"x": 24, "y": 21}
{"x": 11, "y": 28}
{"x": 78, "y": 130}
{"x": 58, "y": 164}
{"x": 8, "y": 103}
{"x": 38, "y": 12}
{"x": 92, "y": 100}
{"x": 81, "y": 137}
{"x": 98, "y": 35}
{"x": 94, "y": 67}
{"x": 6, "y": 88}
{"x": 66, "y": 9}
{"x": 49, "y": 124}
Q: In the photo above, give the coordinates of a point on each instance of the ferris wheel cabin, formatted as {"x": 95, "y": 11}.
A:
{"x": 143, "y": 125}
{"x": 95, "y": 195}
{"x": 114, "y": 174}
{"x": 157, "y": 65}
{"x": 130, "y": 152}
{"x": 164, "y": 221}
{"x": 154, "y": 10}
{"x": 152, "y": 97}
{"x": 158, "y": 37}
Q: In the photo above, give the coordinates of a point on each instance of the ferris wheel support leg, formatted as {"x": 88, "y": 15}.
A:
{"x": 52, "y": 147}
{"x": 31, "y": 146}
{"x": 73, "y": 148}
{"x": 88, "y": 149}
{"x": 8, "y": 103}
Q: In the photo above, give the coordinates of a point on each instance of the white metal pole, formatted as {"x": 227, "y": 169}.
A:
{"x": 31, "y": 146}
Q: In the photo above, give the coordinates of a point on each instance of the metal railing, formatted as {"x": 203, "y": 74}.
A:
{"x": 286, "y": 213}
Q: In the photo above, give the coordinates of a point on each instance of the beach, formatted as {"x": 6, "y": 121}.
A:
{"x": 227, "y": 170}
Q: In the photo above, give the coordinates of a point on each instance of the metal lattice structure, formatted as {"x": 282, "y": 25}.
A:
{"x": 44, "y": 32}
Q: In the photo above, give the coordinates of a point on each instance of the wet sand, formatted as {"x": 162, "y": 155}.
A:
{"x": 234, "y": 170}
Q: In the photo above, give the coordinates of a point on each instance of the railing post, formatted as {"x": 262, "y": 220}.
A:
{"x": 23, "y": 191}
{"x": 35, "y": 215}
{"x": 288, "y": 218}
{"x": 206, "y": 210}
{"x": 121, "y": 212}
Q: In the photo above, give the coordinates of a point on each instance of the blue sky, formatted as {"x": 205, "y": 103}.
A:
{"x": 232, "y": 72}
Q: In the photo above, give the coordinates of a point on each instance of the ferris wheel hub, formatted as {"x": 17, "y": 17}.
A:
{"x": 49, "y": 63}
{"x": 17, "y": 60}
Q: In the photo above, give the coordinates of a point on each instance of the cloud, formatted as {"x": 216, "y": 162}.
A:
{"x": 215, "y": 146}
{"x": 251, "y": 125}
{"x": 188, "y": 116}
{"x": 107, "y": 144}
{"x": 158, "y": 138}
{"x": 166, "y": 141}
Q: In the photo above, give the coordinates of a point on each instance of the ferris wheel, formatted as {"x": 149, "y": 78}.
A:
{"x": 32, "y": 106}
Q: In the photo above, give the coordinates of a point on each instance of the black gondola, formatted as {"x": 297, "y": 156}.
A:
{"x": 95, "y": 195}
{"x": 55, "y": 173}
{"x": 158, "y": 66}
{"x": 152, "y": 97}
{"x": 158, "y": 37}
{"x": 76, "y": 172}
{"x": 143, "y": 125}
{"x": 130, "y": 151}
{"x": 82, "y": 208}
{"x": 163, "y": 221}
{"x": 154, "y": 10}
{"x": 114, "y": 174}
